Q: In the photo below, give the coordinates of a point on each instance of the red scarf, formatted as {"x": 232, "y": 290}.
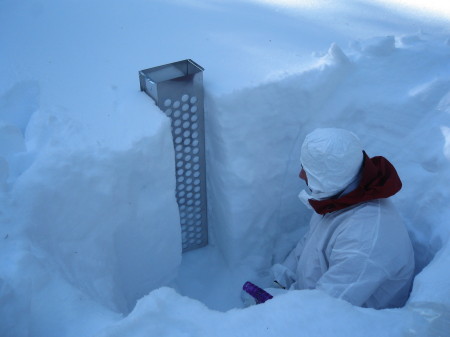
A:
{"x": 379, "y": 180}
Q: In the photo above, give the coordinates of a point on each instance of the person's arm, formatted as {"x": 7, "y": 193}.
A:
{"x": 285, "y": 273}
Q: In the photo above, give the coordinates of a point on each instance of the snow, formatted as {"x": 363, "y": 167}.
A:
{"x": 89, "y": 226}
{"x": 182, "y": 318}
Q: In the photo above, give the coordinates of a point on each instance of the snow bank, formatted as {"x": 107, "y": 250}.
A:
{"x": 88, "y": 228}
{"x": 96, "y": 213}
{"x": 299, "y": 313}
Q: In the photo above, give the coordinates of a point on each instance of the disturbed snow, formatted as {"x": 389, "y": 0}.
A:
{"x": 89, "y": 222}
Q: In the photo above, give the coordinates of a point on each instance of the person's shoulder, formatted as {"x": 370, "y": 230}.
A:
{"x": 363, "y": 218}
{"x": 372, "y": 206}
{"x": 362, "y": 209}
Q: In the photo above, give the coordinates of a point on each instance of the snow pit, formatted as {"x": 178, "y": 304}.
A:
{"x": 78, "y": 246}
{"x": 90, "y": 238}
{"x": 252, "y": 184}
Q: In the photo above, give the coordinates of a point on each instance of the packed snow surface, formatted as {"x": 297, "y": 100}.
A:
{"x": 90, "y": 240}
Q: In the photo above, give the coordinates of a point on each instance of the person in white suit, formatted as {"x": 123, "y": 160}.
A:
{"x": 357, "y": 247}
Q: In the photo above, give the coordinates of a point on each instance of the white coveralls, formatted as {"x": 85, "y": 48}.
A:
{"x": 362, "y": 253}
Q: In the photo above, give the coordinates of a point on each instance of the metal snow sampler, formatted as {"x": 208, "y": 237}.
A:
{"x": 177, "y": 89}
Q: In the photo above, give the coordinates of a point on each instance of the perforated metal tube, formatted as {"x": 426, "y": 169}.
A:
{"x": 177, "y": 89}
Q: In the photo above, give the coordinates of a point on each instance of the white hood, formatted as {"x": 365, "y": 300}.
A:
{"x": 332, "y": 159}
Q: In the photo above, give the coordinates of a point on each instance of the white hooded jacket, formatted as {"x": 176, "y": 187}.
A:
{"x": 358, "y": 248}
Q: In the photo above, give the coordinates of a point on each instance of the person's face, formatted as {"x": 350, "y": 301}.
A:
{"x": 303, "y": 176}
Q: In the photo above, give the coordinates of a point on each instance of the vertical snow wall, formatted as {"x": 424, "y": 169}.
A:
{"x": 254, "y": 138}
{"x": 103, "y": 217}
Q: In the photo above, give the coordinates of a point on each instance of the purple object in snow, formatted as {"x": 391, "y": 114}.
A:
{"x": 259, "y": 294}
